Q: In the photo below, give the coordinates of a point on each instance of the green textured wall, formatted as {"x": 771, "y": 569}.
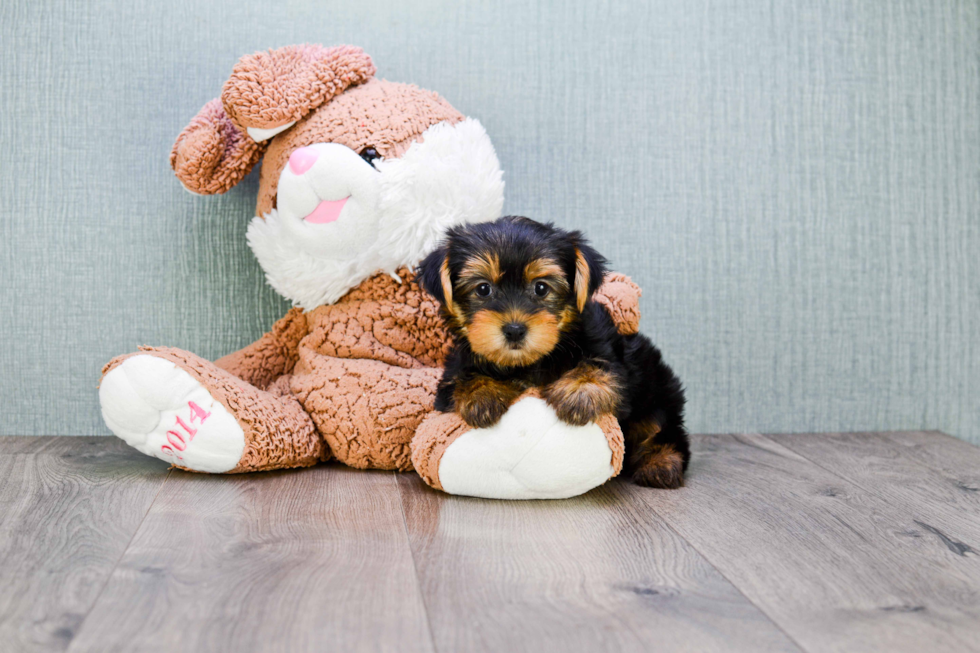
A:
{"x": 796, "y": 186}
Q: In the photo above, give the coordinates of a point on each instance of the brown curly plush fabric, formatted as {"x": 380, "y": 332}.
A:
{"x": 367, "y": 411}
{"x": 431, "y": 439}
{"x": 368, "y": 370}
{"x": 272, "y": 355}
{"x": 211, "y": 154}
{"x": 620, "y": 296}
{"x": 269, "y": 89}
{"x": 617, "y": 443}
{"x": 266, "y": 89}
{"x": 383, "y": 320}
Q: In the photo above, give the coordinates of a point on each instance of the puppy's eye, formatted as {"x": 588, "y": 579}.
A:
{"x": 484, "y": 290}
{"x": 541, "y": 289}
{"x": 369, "y": 154}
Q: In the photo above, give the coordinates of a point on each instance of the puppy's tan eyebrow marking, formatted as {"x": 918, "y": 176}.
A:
{"x": 483, "y": 266}
{"x": 542, "y": 267}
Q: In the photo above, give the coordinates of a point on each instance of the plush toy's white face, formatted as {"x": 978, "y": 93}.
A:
{"x": 340, "y": 219}
{"x": 328, "y": 201}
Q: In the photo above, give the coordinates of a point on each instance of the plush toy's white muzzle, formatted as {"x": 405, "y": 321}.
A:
{"x": 339, "y": 219}
{"x": 328, "y": 199}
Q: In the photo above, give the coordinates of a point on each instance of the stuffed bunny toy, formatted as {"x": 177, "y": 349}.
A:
{"x": 360, "y": 178}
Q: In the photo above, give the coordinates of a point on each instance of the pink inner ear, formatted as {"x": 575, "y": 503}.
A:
{"x": 302, "y": 160}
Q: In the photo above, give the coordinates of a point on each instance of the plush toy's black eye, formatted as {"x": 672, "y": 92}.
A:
{"x": 484, "y": 290}
{"x": 369, "y": 154}
{"x": 541, "y": 289}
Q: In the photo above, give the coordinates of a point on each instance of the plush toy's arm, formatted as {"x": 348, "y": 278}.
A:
{"x": 272, "y": 355}
{"x": 529, "y": 454}
{"x": 621, "y": 297}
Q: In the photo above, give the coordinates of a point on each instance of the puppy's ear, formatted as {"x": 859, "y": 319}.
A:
{"x": 590, "y": 268}
{"x": 434, "y": 277}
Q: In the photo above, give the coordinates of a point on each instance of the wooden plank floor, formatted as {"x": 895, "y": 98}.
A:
{"x": 829, "y": 542}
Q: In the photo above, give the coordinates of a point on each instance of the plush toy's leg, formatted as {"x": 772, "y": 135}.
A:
{"x": 366, "y": 410}
{"x": 183, "y": 409}
{"x": 528, "y": 454}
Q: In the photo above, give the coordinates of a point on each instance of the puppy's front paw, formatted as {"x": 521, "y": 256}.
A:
{"x": 583, "y": 394}
{"x": 482, "y": 410}
{"x": 482, "y": 401}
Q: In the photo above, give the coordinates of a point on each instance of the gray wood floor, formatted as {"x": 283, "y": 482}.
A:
{"x": 830, "y": 542}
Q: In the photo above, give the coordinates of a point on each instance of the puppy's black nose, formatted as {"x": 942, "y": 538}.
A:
{"x": 514, "y": 332}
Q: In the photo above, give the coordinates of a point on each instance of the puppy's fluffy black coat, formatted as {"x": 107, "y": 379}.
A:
{"x": 517, "y": 296}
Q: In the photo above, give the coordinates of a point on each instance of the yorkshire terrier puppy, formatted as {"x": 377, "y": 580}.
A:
{"x": 517, "y": 297}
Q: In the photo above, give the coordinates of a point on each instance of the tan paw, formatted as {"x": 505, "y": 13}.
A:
{"x": 481, "y": 401}
{"x": 482, "y": 410}
{"x": 582, "y": 395}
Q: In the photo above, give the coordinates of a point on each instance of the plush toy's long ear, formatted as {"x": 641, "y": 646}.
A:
{"x": 266, "y": 94}
{"x": 269, "y": 91}
{"x": 590, "y": 268}
{"x": 211, "y": 155}
{"x": 435, "y": 279}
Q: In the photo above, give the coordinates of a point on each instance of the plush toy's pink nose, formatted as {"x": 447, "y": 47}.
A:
{"x": 302, "y": 160}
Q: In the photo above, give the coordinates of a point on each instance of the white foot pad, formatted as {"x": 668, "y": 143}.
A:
{"x": 528, "y": 454}
{"x": 162, "y": 411}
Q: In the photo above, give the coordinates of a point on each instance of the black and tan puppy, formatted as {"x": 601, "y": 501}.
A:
{"x": 517, "y": 296}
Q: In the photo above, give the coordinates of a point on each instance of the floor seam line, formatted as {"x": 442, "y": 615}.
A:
{"x": 869, "y": 490}
{"x": 738, "y": 589}
{"x": 415, "y": 566}
{"x": 929, "y": 468}
{"x": 935, "y": 468}
{"x": 840, "y": 476}
{"x": 115, "y": 566}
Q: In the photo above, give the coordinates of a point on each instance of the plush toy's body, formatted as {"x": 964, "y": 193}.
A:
{"x": 360, "y": 180}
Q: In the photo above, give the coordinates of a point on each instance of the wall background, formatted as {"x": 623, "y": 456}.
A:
{"x": 795, "y": 185}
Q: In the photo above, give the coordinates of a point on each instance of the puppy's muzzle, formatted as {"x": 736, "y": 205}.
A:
{"x": 514, "y": 332}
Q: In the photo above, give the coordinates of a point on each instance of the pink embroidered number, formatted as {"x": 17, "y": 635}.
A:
{"x": 198, "y": 412}
{"x": 176, "y": 441}
{"x": 173, "y": 437}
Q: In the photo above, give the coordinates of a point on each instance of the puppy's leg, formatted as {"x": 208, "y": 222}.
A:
{"x": 481, "y": 401}
{"x": 584, "y": 393}
{"x": 657, "y": 446}
{"x": 657, "y": 459}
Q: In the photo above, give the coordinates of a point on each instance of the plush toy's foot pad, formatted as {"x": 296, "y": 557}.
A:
{"x": 528, "y": 454}
{"x": 162, "y": 411}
